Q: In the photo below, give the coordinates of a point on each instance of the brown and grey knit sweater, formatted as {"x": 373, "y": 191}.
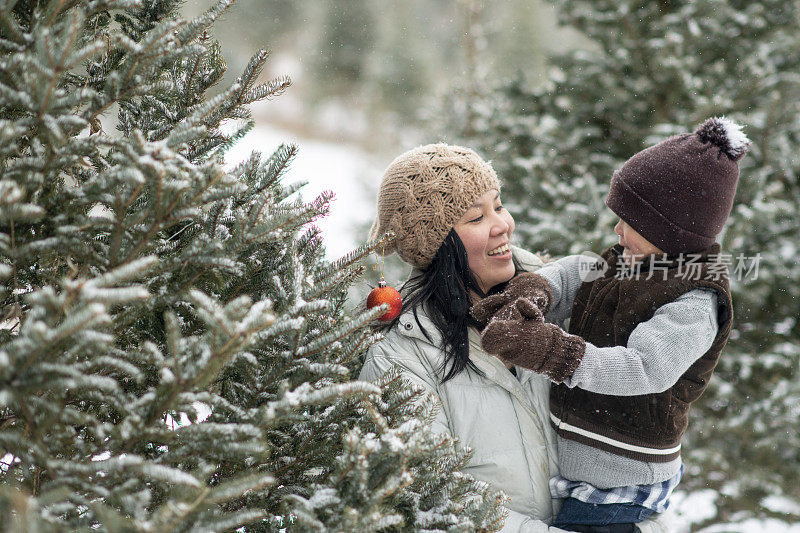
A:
{"x": 651, "y": 346}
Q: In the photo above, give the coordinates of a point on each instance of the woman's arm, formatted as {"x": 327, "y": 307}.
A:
{"x": 658, "y": 523}
{"x": 520, "y": 523}
{"x": 377, "y": 364}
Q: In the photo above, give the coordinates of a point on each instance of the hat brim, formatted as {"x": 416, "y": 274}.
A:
{"x": 650, "y": 224}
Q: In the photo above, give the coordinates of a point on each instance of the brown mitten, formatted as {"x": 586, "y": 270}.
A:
{"x": 519, "y": 309}
{"x": 531, "y": 343}
{"x": 485, "y": 309}
{"x": 526, "y": 285}
{"x": 533, "y": 287}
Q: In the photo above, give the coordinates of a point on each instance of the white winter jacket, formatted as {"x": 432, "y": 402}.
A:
{"x": 502, "y": 418}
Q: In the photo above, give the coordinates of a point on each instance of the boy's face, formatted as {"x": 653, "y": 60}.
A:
{"x": 635, "y": 247}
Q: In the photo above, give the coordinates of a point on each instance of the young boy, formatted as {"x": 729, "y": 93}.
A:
{"x": 644, "y": 336}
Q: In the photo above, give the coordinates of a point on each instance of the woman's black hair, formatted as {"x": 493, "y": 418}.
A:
{"x": 444, "y": 290}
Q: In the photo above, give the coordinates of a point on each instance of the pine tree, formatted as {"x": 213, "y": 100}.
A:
{"x": 345, "y": 41}
{"x": 175, "y": 353}
{"x": 649, "y": 70}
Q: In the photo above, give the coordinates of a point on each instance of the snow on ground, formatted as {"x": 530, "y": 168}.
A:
{"x": 701, "y": 506}
{"x": 351, "y": 173}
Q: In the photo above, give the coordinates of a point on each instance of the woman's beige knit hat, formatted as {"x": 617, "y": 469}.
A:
{"x": 423, "y": 194}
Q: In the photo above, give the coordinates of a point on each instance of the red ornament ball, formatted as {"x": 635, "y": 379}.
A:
{"x": 383, "y": 294}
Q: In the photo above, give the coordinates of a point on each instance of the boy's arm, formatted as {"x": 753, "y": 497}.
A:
{"x": 658, "y": 353}
{"x": 564, "y": 279}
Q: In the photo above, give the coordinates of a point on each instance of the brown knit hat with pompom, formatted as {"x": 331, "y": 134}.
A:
{"x": 679, "y": 193}
{"x": 423, "y": 194}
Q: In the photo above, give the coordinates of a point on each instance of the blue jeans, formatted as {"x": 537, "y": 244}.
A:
{"x": 576, "y": 512}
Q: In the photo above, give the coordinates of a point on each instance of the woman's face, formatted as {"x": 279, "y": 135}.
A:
{"x": 485, "y": 230}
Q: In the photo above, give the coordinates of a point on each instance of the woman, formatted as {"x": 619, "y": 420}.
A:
{"x": 442, "y": 203}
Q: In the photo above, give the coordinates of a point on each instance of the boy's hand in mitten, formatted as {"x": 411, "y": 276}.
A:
{"x": 531, "y": 343}
{"x": 526, "y": 285}
{"x": 532, "y": 286}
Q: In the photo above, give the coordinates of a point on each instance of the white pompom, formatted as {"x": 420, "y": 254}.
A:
{"x": 736, "y": 137}
{"x": 725, "y": 134}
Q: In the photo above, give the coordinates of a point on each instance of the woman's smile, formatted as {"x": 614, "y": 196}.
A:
{"x": 501, "y": 251}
